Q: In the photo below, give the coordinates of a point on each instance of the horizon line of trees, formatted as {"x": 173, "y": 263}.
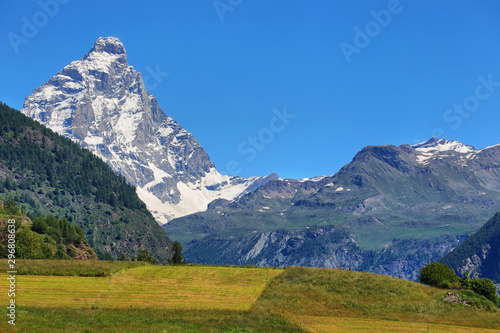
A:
{"x": 144, "y": 255}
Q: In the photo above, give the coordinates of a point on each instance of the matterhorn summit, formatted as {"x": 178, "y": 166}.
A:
{"x": 101, "y": 102}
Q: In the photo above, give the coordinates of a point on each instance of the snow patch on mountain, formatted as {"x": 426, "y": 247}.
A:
{"x": 435, "y": 145}
{"x": 195, "y": 196}
{"x": 434, "y": 148}
{"x": 314, "y": 179}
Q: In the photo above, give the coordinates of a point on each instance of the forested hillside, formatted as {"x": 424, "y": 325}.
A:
{"x": 43, "y": 238}
{"x": 479, "y": 254}
{"x": 48, "y": 174}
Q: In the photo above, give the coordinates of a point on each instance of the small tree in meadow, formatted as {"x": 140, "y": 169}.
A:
{"x": 177, "y": 254}
{"x": 144, "y": 255}
{"x": 438, "y": 275}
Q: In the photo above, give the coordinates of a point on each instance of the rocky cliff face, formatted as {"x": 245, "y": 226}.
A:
{"x": 82, "y": 252}
{"x": 330, "y": 247}
{"x": 100, "y": 102}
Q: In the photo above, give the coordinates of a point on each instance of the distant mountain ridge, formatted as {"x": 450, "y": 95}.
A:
{"x": 101, "y": 102}
{"x": 391, "y": 204}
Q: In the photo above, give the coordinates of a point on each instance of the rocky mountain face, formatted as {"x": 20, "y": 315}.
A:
{"x": 101, "y": 103}
{"x": 479, "y": 254}
{"x": 398, "y": 208}
{"x": 330, "y": 247}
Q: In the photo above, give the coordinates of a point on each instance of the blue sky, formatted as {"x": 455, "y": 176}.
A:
{"x": 348, "y": 73}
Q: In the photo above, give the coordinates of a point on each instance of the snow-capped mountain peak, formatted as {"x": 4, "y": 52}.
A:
{"x": 105, "y": 52}
{"x": 435, "y": 148}
{"x": 435, "y": 145}
{"x": 101, "y": 102}
{"x": 111, "y": 45}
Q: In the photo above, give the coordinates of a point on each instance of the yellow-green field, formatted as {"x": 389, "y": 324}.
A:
{"x": 363, "y": 325}
{"x": 169, "y": 287}
{"x": 215, "y": 299}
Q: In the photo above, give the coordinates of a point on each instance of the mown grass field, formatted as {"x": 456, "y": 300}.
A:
{"x": 159, "y": 287}
{"x": 218, "y": 299}
{"x": 142, "y": 299}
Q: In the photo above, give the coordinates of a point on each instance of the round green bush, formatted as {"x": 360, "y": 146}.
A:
{"x": 438, "y": 275}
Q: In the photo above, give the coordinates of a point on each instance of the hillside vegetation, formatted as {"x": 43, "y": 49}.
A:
{"x": 214, "y": 299}
{"x": 357, "y": 301}
{"x": 43, "y": 238}
{"x": 48, "y": 174}
{"x": 479, "y": 254}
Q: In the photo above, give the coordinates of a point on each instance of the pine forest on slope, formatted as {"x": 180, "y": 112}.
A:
{"x": 479, "y": 255}
{"x": 51, "y": 175}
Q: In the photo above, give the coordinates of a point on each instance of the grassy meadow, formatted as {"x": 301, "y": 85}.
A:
{"x": 143, "y": 298}
{"x": 326, "y": 300}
